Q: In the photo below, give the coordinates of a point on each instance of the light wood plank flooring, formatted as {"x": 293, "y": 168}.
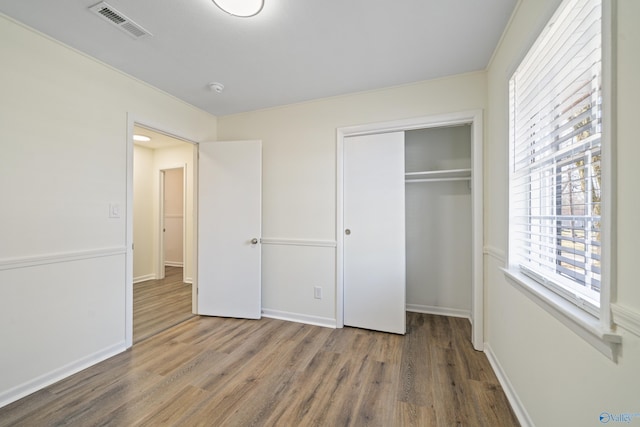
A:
{"x": 160, "y": 304}
{"x": 230, "y": 372}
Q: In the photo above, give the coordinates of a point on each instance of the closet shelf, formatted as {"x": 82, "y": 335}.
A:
{"x": 441, "y": 175}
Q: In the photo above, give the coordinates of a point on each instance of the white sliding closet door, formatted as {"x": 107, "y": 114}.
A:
{"x": 374, "y": 241}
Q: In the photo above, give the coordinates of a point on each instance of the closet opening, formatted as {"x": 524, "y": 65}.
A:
{"x": 438, "y": 220}
{"x": 432, "y": 169}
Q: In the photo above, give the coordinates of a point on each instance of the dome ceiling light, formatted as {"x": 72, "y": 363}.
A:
{"x": 241, "y": 8}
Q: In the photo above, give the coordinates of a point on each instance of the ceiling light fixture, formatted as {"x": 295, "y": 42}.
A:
{"x": 141, "y": 138}
{"x": 241, "y": 8}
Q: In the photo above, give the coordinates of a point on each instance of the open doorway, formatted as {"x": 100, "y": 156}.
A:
{"x": 163, "y": 206}
{"x": 172, "y": 219}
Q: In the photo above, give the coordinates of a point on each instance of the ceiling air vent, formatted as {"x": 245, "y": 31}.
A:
{"x": 111, "y": 15}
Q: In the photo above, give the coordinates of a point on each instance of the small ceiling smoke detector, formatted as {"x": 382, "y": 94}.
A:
{"x": 216, "y": 87}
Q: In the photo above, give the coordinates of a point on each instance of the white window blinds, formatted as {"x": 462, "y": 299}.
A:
{"x": 555, "y": 131}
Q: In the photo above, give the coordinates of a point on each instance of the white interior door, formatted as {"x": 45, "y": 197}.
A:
{"x": 374, "y": 240}
{"x": 229, "y": 228}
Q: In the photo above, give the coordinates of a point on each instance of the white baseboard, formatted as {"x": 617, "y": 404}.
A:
{"x": 144, "y": 278}
{"x": 153, "y": 277}
{"x": 516, "y": 404}
{"x": 299, "y": 318}
{"x": 31, "y": 386}
{"x": 174, "y": 264}
{"x": 439, "y": 311}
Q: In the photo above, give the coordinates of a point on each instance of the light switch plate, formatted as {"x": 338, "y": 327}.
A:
{"x": 114, "y": 210}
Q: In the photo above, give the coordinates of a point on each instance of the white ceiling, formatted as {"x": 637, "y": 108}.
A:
{"x": 293, "y": 51}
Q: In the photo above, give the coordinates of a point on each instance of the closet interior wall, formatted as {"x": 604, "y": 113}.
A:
{"x": 439, "y": 220}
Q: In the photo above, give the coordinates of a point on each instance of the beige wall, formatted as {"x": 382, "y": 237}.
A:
{"x": 299, "y": 179}
{"x": 559, "y": 378}
{"x": 628, "y": 40}
{"x": 143, "y": 214}
{"x": 63, "y": 123}
{"x": 63, "y": 127}
{"x": 174, "y": 216}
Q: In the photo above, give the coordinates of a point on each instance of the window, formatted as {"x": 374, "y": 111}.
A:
{"x": 556, "y": 157}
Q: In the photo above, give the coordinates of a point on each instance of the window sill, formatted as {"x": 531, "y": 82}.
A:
{"x": 580, "y": 322}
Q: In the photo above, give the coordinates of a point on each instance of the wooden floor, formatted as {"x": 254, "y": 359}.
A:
{"x": 230, "y": 372}
{"x": 160, "y": 304}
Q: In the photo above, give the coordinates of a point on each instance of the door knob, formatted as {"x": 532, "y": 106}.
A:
{"x": 254, "y": 241}
{"x": 347, "y": 231}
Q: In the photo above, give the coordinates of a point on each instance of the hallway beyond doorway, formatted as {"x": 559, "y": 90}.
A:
{"x": 160, "y": 304}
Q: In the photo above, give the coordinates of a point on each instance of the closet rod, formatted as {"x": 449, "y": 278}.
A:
{"x": 439, "y": 172}
{"x": 438, "y": 179}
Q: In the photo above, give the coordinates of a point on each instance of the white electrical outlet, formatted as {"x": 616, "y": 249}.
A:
{"x": 317, "y": 292}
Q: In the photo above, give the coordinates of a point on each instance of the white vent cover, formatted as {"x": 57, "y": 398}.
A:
{"x": 111, "y": 15}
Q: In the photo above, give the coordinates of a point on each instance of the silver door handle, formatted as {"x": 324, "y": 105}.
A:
{"x": 254, "y": 241}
